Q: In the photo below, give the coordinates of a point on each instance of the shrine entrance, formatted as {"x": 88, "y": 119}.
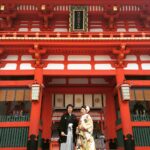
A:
{"x": 93, "y": 92}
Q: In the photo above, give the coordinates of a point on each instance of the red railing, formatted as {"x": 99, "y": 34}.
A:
{"x": 11, "y": 34}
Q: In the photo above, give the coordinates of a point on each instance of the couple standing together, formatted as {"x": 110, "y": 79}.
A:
{"x": 81, "y": 133}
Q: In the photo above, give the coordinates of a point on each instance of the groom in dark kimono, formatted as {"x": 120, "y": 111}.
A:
{"x": 67, "y": 119}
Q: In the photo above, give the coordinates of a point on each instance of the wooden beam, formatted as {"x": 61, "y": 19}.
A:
{"x": 14, "y": 124}
{"x": 140, "y": 124}
{"x": 83, "y": 2}
{"x": 79, "y": 73}
{"x": 16, "y": 72}
{"x": 16, "y": 83}
{"x": 87, "y": 90}
{"x": 142, "y": 83}
{"x": 137, "y": 72}
{"x": 76, "y": 43}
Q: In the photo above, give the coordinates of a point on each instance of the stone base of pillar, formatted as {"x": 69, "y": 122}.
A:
{"x": 45, "y": 144}
{"x": 113, "y": 143}
{"x": 32, "y": 143}
{"x": 129, "y": 142}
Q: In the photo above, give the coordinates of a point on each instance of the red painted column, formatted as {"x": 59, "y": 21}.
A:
{"x": 124, "y": 113}
{"x": 35, "y": 111}
{"x": 110, "y": 116}
{"x": 124, "y": 105}
{"x": 46, "y": 117}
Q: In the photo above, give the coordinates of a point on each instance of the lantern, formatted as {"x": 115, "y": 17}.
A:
{"x": 35, "y": 91}
{"x": 125, "y": 91}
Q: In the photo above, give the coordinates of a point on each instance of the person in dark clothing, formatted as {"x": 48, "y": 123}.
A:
{"x": 139, "y": 109}
{"x": 113, "y": 144}
{"x": 67, "y": 119}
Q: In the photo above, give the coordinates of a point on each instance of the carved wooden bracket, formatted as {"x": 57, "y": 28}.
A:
{"x": 111, "y": 14}
{"x": 121, "y": 53}
{"x": 37, "y": 54}
{"x": 8, "y": 16}
{"x": 46, "y": 13}
{"x": 145, "y": 16}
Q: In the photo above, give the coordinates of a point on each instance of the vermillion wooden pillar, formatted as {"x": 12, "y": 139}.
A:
{"x": 110, "y": 116}
{"x": 46, "y": 119}
{"x": 124, "y": 111}
{"x": 35, "y": 113}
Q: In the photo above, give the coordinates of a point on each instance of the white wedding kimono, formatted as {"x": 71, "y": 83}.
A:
{"x": 85, "y": 140}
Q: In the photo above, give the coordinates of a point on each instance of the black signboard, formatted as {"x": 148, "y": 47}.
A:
{"x": 78, "y": 20}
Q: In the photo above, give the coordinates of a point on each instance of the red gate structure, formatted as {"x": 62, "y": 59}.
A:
{"x": 87, "y": 52}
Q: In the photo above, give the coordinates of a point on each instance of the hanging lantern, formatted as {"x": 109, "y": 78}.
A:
{"x": 43, "y": 7}
{"x": 115, "y": 8}
{"x": 125, "y": 91}
{"x": 2, "y": 7}
{"x": 35, "y": 91}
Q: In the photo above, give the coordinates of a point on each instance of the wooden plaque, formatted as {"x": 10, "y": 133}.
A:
{"x": 78, "y": 18}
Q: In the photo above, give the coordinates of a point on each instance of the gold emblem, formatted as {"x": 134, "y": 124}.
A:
{"x": 97, "y": 100}
{"x": 78, "y": 100}
{"x": 59, "y": 100}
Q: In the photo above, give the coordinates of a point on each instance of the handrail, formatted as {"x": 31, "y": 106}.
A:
{"x": 141, "y": 136}
{"x": 140, "y": 117}
{"x": 13, "y": 118}
{"x": 13, "y": 137}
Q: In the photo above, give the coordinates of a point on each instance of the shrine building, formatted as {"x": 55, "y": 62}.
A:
{"x": 79, "y": 52}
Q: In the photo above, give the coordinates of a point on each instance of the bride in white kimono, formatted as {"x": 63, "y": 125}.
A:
{"x": 85, "y": 140}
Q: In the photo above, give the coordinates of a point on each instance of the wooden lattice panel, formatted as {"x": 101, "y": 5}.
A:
{"x": 139, "y": 95}
{"x": 68, "y": 99}
{"x": 19, "y": 95}
{"x": 10, "y": 95}
{"x": 132, "y": 94}
{"x": 27, "y": 95}
{"x": 88, "y": 100}
{"x": 2, "y": 95}
{"x": 147, "y": 95}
